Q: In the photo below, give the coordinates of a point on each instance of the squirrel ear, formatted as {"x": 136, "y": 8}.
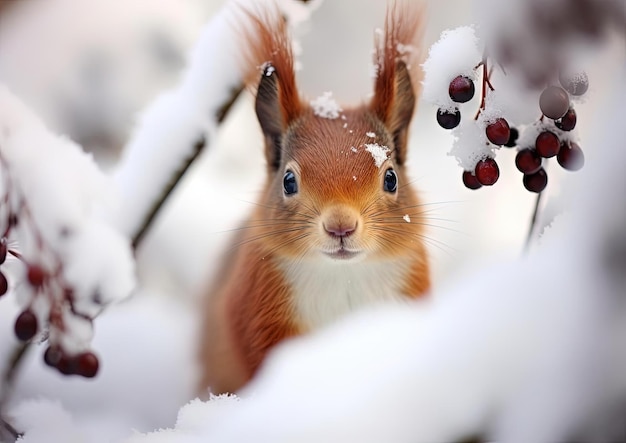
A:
{"x": 394, "y": 103}
{"x": 269, "y": 114}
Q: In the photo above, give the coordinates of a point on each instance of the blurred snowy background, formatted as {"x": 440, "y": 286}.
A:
{"x": 88, "y": 67}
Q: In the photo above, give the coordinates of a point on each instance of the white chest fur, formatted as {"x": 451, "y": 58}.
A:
{"x": 325, "y": 291}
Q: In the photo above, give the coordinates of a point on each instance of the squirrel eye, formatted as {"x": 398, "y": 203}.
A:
{"x": 289, "y": 183}
{"x": 391, "y": 181}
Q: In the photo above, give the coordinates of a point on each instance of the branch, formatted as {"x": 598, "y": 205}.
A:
{"x": 11, "y": 372}
{"x": 533, "y": 223}
{"x": 168, "y": 140}
{"x": 7, "y": 432}
{"x": 198, "y": 148}
{"x": 143, "y": 229}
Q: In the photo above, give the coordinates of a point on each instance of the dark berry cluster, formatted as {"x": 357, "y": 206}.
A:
{"x": 554, "y": 104}
{"x": 49, "y": 285}
{"x": 4, "y": 283}
{"x": 85, "y": 364}
{"x": 45, "y": 282}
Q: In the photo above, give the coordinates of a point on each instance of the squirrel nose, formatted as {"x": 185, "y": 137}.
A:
{"x": 340, "y": 230}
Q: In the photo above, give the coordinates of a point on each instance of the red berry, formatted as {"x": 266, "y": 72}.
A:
{"x": 536, "y": 182}
{"x": 461, "y": 89}
{"x": 470, "y": 181}
{"x": 547, "y": 144}
{"x": 571, "y": 157}
{"x": 575, "y": 84}
{"x": 528, "y": 161}
{"x": 4, "y": 284}
{"x": 3, "y": 250}
{"x": 447, "y": 119}
{"x": 512, "y": 138}
{"x": 52, "y": 356}
{"x": 568, "y": 121}
{"x": 87, "y": 364}
{"x": 487, "y": 172}
{"x": 67, "y": 365}
{"x": 498, "y": 132}
{"x": 554, "y": 102}
{"x": 26, "y": 325}
{"x": 36, "y": 275}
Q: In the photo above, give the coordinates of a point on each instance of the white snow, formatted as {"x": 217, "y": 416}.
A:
{"x": 511, "y": 99}
{"x": 297, "y": 12}
{"x": 371, "y": 134}
{"x": 380, "y": 154}
{"x": 406, "y": 218}
{"x": 470, "y": 144}
{"x": 456, "y": 53}
{"x": 194, "y": 419}
{"x": 325, "y": 106}
{"x": 147, "y": 351}
{"x": 47, "y": 421}
{"x": 58, "y": 193}
{"x": 170, "y": 128}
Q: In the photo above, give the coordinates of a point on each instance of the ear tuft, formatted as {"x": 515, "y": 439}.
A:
{"x": 397, "y": 84}
{"x": 267, "y": 43}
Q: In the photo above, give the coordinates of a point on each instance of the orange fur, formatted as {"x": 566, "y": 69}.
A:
{"x": 268, "y": 41}
{"x": 254, "y": 304}
{"x": 401, "y": 40}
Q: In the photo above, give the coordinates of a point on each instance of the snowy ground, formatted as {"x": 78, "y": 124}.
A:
{"x": 147, "y": 344}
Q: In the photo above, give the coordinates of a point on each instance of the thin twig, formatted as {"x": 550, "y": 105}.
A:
{"x": 222, "y": 112}
{"x": 156, "y": 208}
{"x": 201, "y": 143}
{"x": 533, "y": 223}
{"x": 11, "y": 372}
{"x": 7, "y": 432}
{"x": 486, "y": 84}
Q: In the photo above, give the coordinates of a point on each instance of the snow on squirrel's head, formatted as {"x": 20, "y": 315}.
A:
{"x": 337, "y": 187}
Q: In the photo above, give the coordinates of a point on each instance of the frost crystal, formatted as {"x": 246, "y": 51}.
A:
{"x": 325, "y": 106}
{"x": 379, "y": 153}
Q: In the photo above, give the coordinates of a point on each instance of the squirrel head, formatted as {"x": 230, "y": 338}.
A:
{"x": 337, "y": 187}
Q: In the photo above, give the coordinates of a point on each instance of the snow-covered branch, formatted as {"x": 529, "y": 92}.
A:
{"x": 180, "y": 123}
{"x": 72, "y": 263}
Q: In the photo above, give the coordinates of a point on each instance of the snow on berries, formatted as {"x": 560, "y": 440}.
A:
{"x": 72, "y": 263}
{"x": 498, "y": 132}
{"x": 461, "y": 89}
{"x": 539, "y": 120}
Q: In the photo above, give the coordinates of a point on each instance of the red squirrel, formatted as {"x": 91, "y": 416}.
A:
{"x": 338, "y": 226}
